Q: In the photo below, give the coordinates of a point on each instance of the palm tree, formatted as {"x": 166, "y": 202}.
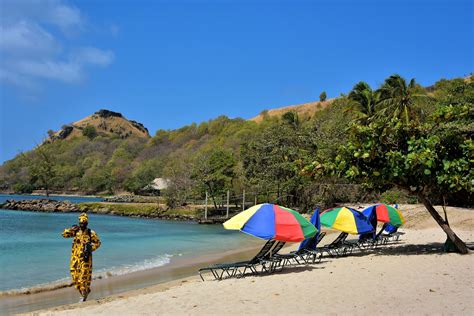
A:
{"x": 365, "y": 99}
{"x": 397, "y": 97}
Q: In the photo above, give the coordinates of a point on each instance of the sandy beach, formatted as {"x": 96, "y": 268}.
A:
{"x": 412, "y": 276}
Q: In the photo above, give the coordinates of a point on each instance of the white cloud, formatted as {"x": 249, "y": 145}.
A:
{"x": 94, "y": 56}
{"x": 65, "y": 16}
{"x": 53, "y": 12}
{"x": 32, "y": 50}
{"x": 48, "y": 69}
{"x": 27, "y": 39}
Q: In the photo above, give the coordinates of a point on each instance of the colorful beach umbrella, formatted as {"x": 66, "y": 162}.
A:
{"x": 386, "y": 214}
{"x": 347, "y": 220}
{"x": 270, "y": 221}
{"x": 316, "y": 221}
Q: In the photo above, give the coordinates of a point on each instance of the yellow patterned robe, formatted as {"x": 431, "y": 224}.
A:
{"x": 81, "y": 270}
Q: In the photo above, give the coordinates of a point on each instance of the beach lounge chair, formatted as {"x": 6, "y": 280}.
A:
{"x": 381, "y": 238}
{"x": 394, "y": 236}
{"x": 315, "y": 254}
{"x": 271, "y": 262}
{"x": 367, "y": 241}
{"x": 302, "y": 255}
{"x": 338, "y": 247}
{"x": 228, "y": 270}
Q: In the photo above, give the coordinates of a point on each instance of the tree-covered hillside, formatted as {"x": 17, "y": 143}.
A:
{"x": 277, "y": 157}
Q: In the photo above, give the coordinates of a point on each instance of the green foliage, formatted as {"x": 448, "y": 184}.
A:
{"x": 433, "y": 157}
{"x": 323, "y": 96}
{"x": 365, "y": 100}
{"x": 291, "y": 118}
{"x": 397, "y": 98}
{"x": 90, "y": 132}
{"x": 126, "y": 209}
{"x": 397, "y": 196}
{"x": 143, "y": 175}
{"x": 272, "y": 160}
{"x": 214, "y": 172}
{"x": 397, "y": 135}
{"x": 42, "y": 168}
{"x": 136, "y": 209}
{"x": 180, "y": 184}
{"x": 23, "y": 188}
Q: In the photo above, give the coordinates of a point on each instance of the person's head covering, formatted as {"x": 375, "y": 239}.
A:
{"x": 83, "y": 218}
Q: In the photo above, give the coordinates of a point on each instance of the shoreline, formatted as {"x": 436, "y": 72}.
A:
{"x": 423, "y": 241}
{"x": 104, "y": 288}
{"x": 166, "y": 217}
{"x": 413, "y": 276}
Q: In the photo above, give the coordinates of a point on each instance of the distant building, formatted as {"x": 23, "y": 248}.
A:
{"x": 157, "y": 185}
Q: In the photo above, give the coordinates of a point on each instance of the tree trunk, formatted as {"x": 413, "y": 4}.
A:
{"x": 47, "y": 190}
{"x": 460, "y": 245}
{"x": 212, "y": 195}
{"x": 444, "y": 210}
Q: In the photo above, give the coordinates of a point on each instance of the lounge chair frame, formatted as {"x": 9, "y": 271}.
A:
{"x": 240, "y": 268}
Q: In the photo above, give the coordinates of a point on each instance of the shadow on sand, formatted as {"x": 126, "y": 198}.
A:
{"x": 295, "y": 269}
{"x": 399, "y": 248}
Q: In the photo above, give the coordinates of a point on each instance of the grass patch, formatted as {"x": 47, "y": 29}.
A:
{"x": 136, "y": 209}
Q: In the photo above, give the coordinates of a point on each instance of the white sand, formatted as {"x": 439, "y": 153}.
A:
{"x": 411, "y": 277}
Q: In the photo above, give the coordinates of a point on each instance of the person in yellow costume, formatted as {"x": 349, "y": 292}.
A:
{"x": 85, "y": 242}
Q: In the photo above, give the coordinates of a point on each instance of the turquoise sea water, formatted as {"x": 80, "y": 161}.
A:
{"x": 33, "y": 252}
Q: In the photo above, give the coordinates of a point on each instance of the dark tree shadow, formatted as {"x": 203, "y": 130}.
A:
{"x": 435, "y": 248}
{"x": 295, "y": 269}
{"x": 400, "y": 248}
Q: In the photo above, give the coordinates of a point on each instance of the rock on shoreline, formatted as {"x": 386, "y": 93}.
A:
{"x": 40, "y": 205}
{"x": 119, "y": 209}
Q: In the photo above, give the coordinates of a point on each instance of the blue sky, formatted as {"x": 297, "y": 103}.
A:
{"x": 170, "y": 63}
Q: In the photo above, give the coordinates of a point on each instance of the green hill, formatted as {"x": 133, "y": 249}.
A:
{"x": 106, "y": 153}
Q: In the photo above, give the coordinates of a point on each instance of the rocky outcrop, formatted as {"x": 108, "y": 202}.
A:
{"x": 64, "y": 132}
{"x": 41, "y": 205}
{"x": 139, "y": 126}
{"x": 50, "y": 206}
{"x": 107, "y": 113}
{"x": 136, "y": 210}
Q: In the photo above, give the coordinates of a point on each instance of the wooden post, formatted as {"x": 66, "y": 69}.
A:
{"x": 243, "y": 200}
{"x": 255, "y": 199}
{"x": 205, "y": 209}
{"x": 227, "y": 211}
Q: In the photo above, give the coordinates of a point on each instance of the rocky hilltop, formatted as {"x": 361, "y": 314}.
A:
{"x": 105, "y": 123}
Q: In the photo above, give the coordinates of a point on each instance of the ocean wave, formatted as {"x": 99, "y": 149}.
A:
{"x": 44, "y": 287}
{"x": 141, "y": 266}
{"x": 147, "y": 264}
